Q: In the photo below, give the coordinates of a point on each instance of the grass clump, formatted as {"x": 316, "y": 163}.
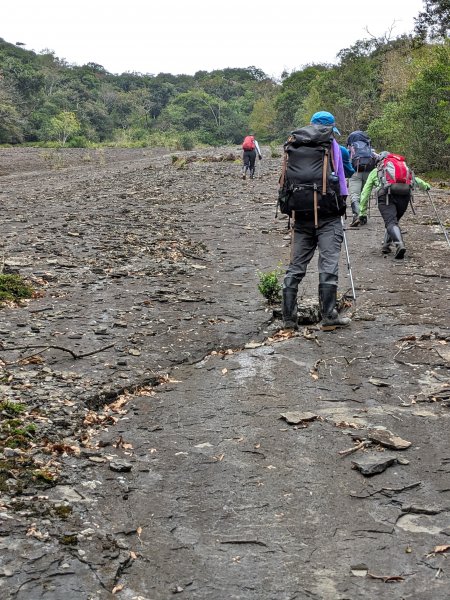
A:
{"x": 14, "y": 288}
{"x": 269, "y": 286}
{"x": 12, "y": 407}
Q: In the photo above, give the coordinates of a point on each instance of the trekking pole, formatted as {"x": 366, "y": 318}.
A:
{"x": 444, "y": 231}
{"x": 349, "y": 267}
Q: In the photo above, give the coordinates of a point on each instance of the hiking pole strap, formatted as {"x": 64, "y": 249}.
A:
{"x": 348, "y": 260}
{"x": 444, "y": 231}
{"x": 316, "y": 216}
{"x": 324, "y": 173}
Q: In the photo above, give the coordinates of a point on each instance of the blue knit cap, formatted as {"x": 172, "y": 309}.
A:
{"x": 324, "y": 118}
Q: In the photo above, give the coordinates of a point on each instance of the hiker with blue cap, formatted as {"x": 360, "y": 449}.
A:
{"x": 313, "y": 190}
{"x": 363, "y": 159}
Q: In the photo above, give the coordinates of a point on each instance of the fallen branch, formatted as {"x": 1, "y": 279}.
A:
{"x": 52, "y": 346}
{"x": 349, "y": 362}
{"x": 360, "y": 446}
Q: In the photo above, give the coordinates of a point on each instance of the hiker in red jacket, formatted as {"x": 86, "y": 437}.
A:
{"x": 250, "y": 147}
{"x": 394, "y": 183}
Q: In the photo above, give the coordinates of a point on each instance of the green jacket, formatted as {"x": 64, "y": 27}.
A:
{"x": 374, "y": 182}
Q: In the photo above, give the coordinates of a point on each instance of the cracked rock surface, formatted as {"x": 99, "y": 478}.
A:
{"x": 151, "y": 455}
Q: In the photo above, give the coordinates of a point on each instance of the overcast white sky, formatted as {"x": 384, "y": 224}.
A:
{"x": 185, "y": 36}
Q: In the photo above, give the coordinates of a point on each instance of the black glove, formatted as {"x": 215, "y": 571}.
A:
{"x": 363, "y": 220}
{"x": 260, "y": 157}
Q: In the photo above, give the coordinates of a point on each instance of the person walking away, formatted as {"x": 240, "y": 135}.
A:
{"x": 250, "y": 147}
{"x": 315, "y": 190}
{"x": 348, "y": 167}
{"x": 394, "y": 182}
{"x": 363, "y": 159}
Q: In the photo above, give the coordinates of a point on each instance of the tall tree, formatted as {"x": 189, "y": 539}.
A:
{"x": 434, "y": 21}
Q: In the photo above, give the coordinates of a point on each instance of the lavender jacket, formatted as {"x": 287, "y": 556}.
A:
{"x": 339, "y": 166}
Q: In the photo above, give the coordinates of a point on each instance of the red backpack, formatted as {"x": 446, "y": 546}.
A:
{"x": 248, "y": 143}
{"x": 395, "y": 175}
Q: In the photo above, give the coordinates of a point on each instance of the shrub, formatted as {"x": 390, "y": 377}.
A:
{"x": 78, "y": 141}
{"x": 187, "y": 141}
{"x": 269, "y": 285}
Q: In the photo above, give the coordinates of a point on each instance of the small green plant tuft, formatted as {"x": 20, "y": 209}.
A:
{"x": 13, "y": 288}
{"x": 269, "y": 286}
{"x": 12, "y": 407}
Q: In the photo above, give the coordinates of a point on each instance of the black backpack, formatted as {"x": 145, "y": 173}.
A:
{"x": 361, "y": 152}
{"x": 308, "y": 183}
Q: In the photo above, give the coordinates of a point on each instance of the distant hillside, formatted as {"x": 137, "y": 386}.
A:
{"x": 397, "y": 90}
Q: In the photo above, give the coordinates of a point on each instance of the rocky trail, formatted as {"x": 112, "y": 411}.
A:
{"x": 160, "y": 436}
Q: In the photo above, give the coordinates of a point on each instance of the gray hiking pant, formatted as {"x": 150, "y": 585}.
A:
{"x": 328, "y": 238}
{"x": 355, "y": 187}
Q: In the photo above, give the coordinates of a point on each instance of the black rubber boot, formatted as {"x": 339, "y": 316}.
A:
{"x": 386, "y": 247}
{"x": 289, "y": 308}
{"x": 327, "y": 301}
{"x": 396, "y": 236}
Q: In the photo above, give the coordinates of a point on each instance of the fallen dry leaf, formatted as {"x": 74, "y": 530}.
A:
{"x": 117, "y": 588}
{"x": 386, "y": 578}
{"x": 441, "y": 549}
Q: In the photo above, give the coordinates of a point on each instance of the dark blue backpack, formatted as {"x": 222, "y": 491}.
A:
{"x": 361, "y": 152}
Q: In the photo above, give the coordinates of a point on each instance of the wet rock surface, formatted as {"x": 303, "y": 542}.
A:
{"x": 150, "y": 456}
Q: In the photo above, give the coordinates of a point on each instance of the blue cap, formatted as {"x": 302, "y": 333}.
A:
{"x": 324, "y": 118}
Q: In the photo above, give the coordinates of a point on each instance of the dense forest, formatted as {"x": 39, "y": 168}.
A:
{"x": 396, "y": 89}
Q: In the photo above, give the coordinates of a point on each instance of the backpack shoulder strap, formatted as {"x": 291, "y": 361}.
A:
{"x": 283, "y": 170}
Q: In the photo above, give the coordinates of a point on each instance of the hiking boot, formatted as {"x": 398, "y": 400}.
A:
{"x": 396, "y": 236}
{"x": 355, "y": 221}
{"x": 289, "y": 308}
{"x": 327, "y": 301}
{"x": 244, "y": 176}
{"x": 386, "y": 246}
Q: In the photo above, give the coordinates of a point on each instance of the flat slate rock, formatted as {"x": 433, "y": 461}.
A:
{"x": 372, "y": 465}
{"x": 388, "y": 439}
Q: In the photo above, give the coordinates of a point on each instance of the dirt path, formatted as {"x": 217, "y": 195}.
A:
{"x": 169, "y": 468}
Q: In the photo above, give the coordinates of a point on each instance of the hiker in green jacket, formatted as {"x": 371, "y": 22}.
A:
{"x": 393, "y": 200}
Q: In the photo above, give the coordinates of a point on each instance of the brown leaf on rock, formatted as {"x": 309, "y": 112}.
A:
{"x": 120, "y": 443}
{"x": 31, "y": 360}
{"x": 314, "y": 371}
{"x": 61, "y": 449}
{"x": 441, "y": 549}
{"x": 386, "y": 578}
{"x": 347, "y": 425}
{"x": 117, "y": 588}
